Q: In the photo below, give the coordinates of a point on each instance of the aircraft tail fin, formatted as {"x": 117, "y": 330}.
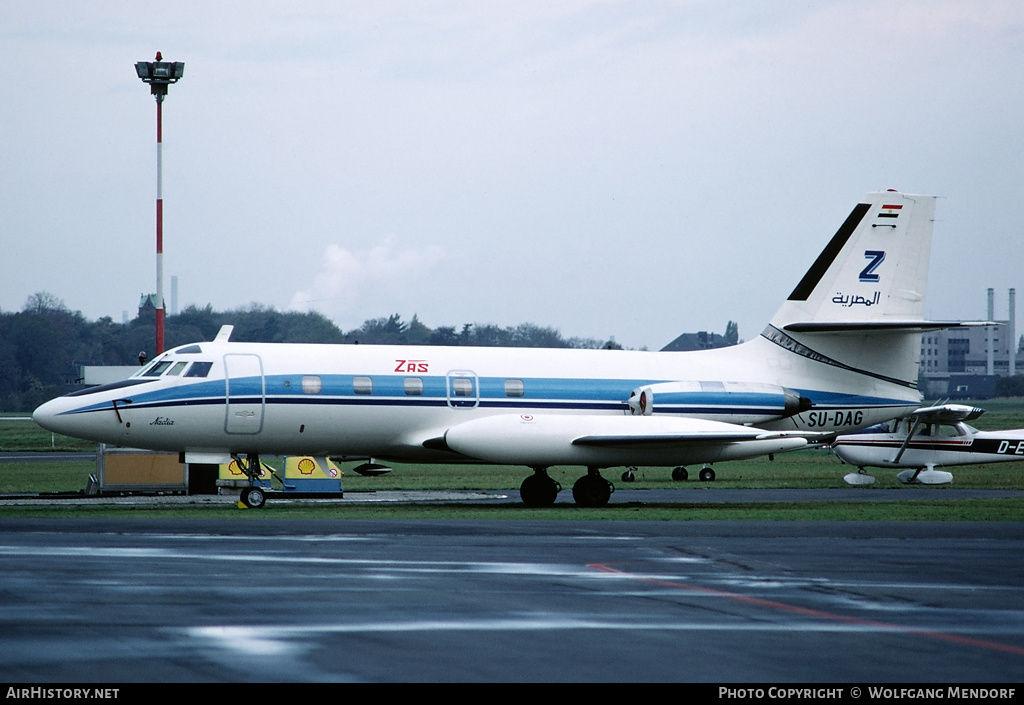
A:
{"x": 866, "y": 290}
{"x": 873, "y": 271}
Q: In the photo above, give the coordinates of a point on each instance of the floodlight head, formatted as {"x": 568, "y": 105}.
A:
{"x": 159, "y": 74}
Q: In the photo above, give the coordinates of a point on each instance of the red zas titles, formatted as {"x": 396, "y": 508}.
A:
{"x": 411, "y": 366}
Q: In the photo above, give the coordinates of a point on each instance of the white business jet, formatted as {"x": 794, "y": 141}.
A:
{"x": 840, "y": 354}
{"x": 930, "y": 437}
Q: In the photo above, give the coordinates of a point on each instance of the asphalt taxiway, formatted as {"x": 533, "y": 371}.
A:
{"x": 158, "y": 600}
{"x": 685, "y": 495}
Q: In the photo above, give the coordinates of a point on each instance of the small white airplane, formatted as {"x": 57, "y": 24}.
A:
{"x": 929, "y": 437}
{"x": 840, "y": 354}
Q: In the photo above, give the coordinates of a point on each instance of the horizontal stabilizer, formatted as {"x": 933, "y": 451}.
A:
{"x": 853, "y": 326}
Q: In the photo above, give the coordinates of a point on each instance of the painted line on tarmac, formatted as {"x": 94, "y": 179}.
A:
{"x": 815, "y": 613}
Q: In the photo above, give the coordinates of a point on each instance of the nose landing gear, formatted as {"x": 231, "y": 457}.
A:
{"x": 253, "y": 496}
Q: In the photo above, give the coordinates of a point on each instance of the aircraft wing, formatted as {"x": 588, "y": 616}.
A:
{"x": 606, "y": 441}
{"x": 693, "y": 438}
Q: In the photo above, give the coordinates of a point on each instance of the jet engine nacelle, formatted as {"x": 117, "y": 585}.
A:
{"x": 736, "y": 402}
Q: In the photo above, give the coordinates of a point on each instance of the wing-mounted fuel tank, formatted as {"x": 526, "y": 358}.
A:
{"x": 735, "y": 402}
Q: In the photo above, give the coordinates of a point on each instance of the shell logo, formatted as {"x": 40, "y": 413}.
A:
{"x": 235, "y": 471}
{"x": 307, "y": 466}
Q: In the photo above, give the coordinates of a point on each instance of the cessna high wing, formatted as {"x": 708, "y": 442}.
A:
{"x": 839, "y": 355}
{"x": 929, "y": 437}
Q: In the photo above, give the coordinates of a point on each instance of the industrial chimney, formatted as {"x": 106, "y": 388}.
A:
{"x": 1012, "y": 333}
{"x": 990, "y": 333}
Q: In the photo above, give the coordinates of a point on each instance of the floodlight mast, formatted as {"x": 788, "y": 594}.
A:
{"x": 159, "y": 74}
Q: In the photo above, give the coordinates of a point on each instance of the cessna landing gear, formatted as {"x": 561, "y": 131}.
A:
{"x": 253, "y": 497}
{"x": 679, "y": 474}
{"x": 925, "y": 476}
{"x": 861, "y": 477}
{"x": 539, "y": 490}
{"x": 706, "y": 474}
{"x": 629, "y": 475}
{"x": 592, "y": 490}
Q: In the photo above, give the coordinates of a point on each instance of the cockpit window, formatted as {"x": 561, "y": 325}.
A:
{"x": 157, "y": 369}
{"x": 190, "y": 350}
{"x": 176, "y": 370}
{"x": 144, "y": 372}
{"x": 199, "y": 369}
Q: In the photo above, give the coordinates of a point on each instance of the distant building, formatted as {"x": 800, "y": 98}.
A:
{"x": 697, "y": 341}
{"x": 965, "y": 362}
{"x": 147, "y": 303}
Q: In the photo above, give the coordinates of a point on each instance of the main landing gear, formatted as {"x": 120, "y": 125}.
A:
{"x": 706, "y": 474}
{"x": 253, "y": 497}
{"x": 539, "y": 490}
{"x": 591, "y": 490}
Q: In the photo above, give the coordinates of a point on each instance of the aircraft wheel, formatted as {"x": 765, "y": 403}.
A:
{"x": 679, "y": 474}
{"x": 592, "y": 490}
{"x": 539, "y": 490}
{"x": 707, "y": 475}
{"x": 253, "y": 497}
{"x": 629, "y": 475}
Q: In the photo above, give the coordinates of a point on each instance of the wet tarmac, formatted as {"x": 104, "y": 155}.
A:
{"x": 196, "y": 600}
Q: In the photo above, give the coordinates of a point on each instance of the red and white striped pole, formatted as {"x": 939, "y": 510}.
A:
{"x": 159, "y": 74}
{"x": 159, "y": 224}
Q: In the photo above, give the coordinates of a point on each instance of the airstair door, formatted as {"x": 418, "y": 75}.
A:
{"x": 245, "y": 393}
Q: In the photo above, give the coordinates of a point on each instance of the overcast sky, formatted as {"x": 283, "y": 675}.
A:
{"x": 627, "y": 169}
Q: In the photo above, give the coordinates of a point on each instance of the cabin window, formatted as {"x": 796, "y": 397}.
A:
{"x": 362, "y": 385}
{"x": 413, "y": 386}
{"x": 177, "y": 369}
{"x": 312, "y": 384}
{"x": 157, "y": 369}
{"x": 199, "y": 369}
{"x": 462, "y": 386}
{"x": 514, "y": 388}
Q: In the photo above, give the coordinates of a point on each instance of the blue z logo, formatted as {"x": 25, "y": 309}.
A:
{"x": 868, "y": 273}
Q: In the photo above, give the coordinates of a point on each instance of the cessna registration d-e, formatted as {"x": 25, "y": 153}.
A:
{"x": 840, "y": 354}
{"x": 931, "y": 437}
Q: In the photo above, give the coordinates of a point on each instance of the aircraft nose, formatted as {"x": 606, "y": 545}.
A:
{"x": 46, "y": 415}
{"x": 43, "y": 415}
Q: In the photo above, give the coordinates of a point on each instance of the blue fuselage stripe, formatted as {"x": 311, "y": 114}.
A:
{"x": 536, "y": 393}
